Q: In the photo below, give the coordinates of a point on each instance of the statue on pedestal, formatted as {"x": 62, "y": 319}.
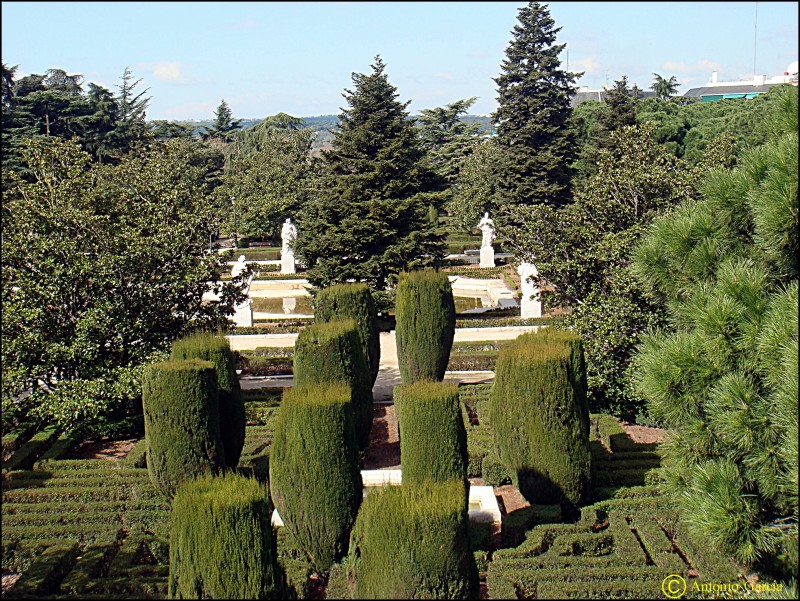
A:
{"x": 288, "y": 236}
{"x": 530, "y": 305}
{"x": 486, "y": 226}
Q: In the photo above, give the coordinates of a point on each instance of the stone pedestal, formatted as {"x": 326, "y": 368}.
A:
{"x": 531, "y": 306}
{"x": 287, "y": 263}
{"x": 487, "y": 256}
{"x": 243, "y": 314}
{"x": 289, "y": 304}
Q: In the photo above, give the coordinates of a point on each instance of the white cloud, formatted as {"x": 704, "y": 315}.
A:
{"x": 169, "y": 72}
{"x": 703, "y": 65}
{"x": 588, "y": 65}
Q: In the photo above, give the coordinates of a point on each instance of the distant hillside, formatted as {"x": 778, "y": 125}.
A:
{"x": 323, "y": 124}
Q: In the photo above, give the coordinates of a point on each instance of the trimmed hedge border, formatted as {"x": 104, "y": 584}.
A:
{"x": 46, "y": 572}
{"x": 29, "y": 452}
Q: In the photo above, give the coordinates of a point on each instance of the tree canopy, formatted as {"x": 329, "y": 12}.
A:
{"x": 102, "y": 266}
{"x": 367, "y": 220}
{"x": 533, "y": 114}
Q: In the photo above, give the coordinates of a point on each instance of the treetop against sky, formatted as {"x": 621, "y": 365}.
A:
{"x": 297, "y": 57}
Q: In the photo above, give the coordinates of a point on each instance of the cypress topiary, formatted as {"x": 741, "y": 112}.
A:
{"x": 180, "y": 400}
{"x": 411, "y": 543}
{"x": 217, "y": 349}
{"x": 538, "y": 423}
{"x": 426, "y": 321}
{"x": 332, "y": 352}
{"x": 578, "y": 360}
{"x": 354, "y": 301}
{"x": 433, "y": 439}
{"x": 222, "y": 545}
{"x": 313, "y": 470}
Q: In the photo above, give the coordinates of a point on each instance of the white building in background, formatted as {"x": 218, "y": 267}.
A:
{"x": 760, "y": 84}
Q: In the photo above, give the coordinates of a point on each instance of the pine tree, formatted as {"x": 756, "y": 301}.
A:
{"x": 533, "y": 113}
{"x": 724, "y": 380}
{"x": 368, "y": 220}
{"x": 132, "y": 107}
{"x": 224, "y": 124}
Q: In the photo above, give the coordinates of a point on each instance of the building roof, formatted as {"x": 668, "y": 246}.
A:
{"x": 728, "y": 89}
{"x": 600, "y": 95}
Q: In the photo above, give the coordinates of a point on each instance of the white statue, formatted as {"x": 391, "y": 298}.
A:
{"x": 288, "y": 236}
{"x": 243, "y": 312}
{"x": 486, "y": 226}
{"x": 238, "y": 267}
{"x": 531, "y": 305}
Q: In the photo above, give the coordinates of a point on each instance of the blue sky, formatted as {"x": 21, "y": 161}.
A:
{"x": 298, "y": 57}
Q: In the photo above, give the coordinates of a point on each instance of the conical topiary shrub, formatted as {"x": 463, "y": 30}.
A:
{"x": 221, "y": 544}
{"x": 538, "y": 423}
{"x": 426, "y": 321}
{"x": 217, "y": 349}
{"x": 332, "y": 352}
{"x": 433, "y": 439}
{"x": 410, "y": 542}
{"x": 180, "y": 400}
{"x": 354, "y": 301}
{"x": 313, "y": 469}
{"x": 578, "y": 360}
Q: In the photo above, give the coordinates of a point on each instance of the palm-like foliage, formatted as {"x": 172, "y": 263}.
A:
{"x": 664, "y": 88}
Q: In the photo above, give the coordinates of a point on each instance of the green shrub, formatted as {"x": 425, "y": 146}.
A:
{"x": 313, "y": 469}
{"x": 433, "y": 440}
{"x": 493, "y": 471}
{"x": 410, "y": 542}
{"x": 181, "y": 422}
{"x": 578, "y": 360}
{"x": 354, "y": 301}
{"x": 538, "y": 423}
{"x": 426, "y": 319}
{"x": 332, "y": 352}
{"x": 221, "y": 543}
{"x": 217, "y": 349}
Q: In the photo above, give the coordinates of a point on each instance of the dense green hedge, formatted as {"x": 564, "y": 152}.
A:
{"x": 538, "y": 422}
{"x": 433, "y": 440}
{"x": 221, "y": 543}
{"x": 578, "y": 359}
{"x": 426, "y": 318}
{"x": 332, "y": 352}
{"x": 181, "y": 422}
{"x": 411, "y": 543}
{"x": 353, "y": 301}
{"x": 217, "y": 349}
{"x": 313, "y": 470}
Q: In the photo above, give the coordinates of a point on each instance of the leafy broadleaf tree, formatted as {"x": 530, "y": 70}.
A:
{"x": 368, "y": 218}
{"x": 724, "y": 376}
{"x": 584, "y": 251}
{"x": 269, "y": 173}
{"x": 102, "y": 266}
{"x": 533, "y": 114}
{"x": 475, "y": 189}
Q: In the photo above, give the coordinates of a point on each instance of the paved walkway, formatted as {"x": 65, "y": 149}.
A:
{"x": 389, "y": 371}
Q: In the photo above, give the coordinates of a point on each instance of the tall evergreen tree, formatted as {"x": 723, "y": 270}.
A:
{"x": 447, "y": 140}
{"x": 533, "y": 114}
{"x": 725, "y": 378}
{"x": 224, "y": 124}
{"x": 619, "y": 111}
{"x": 368, "y": 220}
{"x": 131, "y": 126}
